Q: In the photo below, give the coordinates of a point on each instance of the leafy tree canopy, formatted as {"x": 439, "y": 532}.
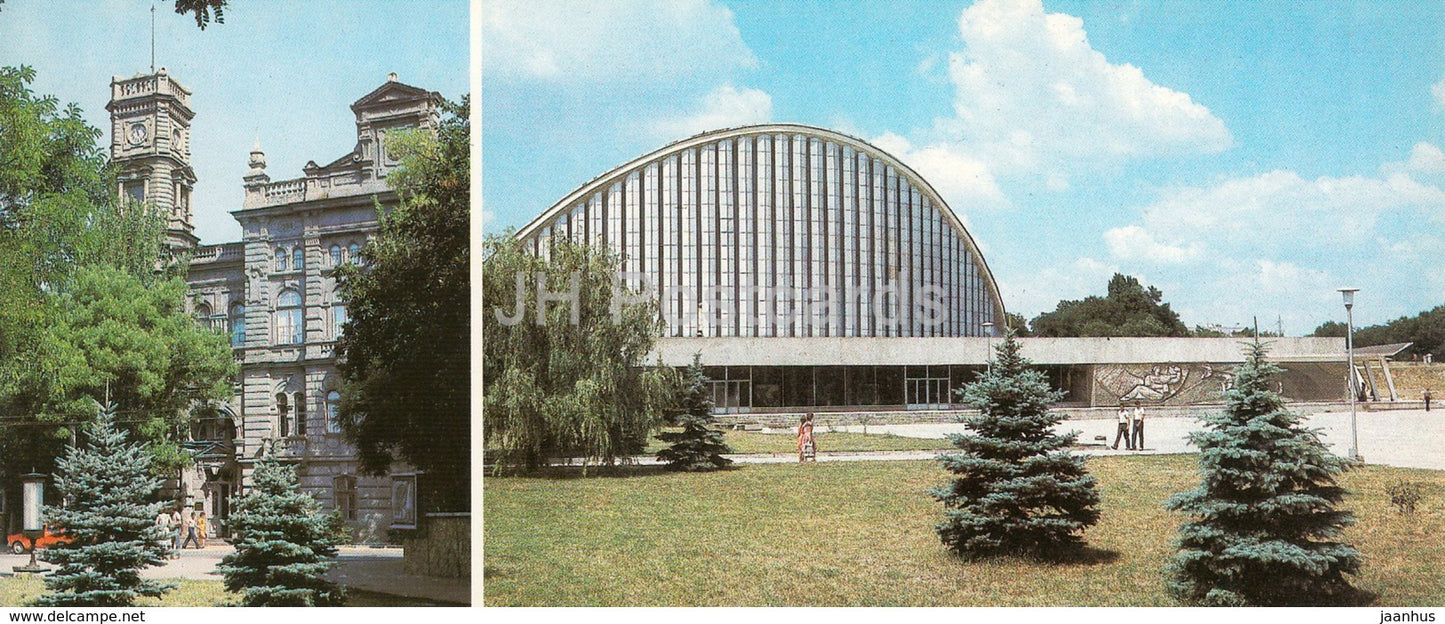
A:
{"x": 559, "y": 387}
{"x": 1426, "y": 330}
{"x": 203, "y": 10}
{"x": 1129, "y": 309}
{"x": 405, "y": 354}
{"x": 84, "y": 311}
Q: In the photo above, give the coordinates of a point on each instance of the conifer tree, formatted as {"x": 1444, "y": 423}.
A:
{"x": 698, "y": 447}
{"x": 112, "y": 529}
{"x": 284, "y": 544}
{"x": 1263, "y": 523}
{"x": 1017, "y": 490}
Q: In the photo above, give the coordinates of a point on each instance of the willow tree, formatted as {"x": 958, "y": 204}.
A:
{"x": 568, "y": 378}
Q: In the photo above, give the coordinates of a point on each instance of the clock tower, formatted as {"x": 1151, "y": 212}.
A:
{"x": 150, "y": 130}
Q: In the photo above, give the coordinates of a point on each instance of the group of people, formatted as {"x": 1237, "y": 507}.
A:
{"x": 1131, "y": 428}
{"x": 181, "y": 528}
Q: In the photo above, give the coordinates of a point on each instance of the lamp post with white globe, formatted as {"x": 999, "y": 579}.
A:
{"x": 1349, "y": 295}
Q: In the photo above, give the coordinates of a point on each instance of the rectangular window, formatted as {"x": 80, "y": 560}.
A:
{"x": 338, "y": 320}
{"x": 345, "y": 489}
{"x": 135, "y": 190}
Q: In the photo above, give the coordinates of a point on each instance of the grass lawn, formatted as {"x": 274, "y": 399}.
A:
{"x": 749, "y": 442}
{"x": 861, "y": 533}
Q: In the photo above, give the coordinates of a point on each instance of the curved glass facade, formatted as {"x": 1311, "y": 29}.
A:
{"x": 783, "y": 230}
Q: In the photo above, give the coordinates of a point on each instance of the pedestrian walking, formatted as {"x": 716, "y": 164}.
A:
{"x": 163, "y": 528}
{"x": 1426, "y": 395}
{"x": 1138, "y": 426}
{"x": 178, "y": 532}
{"x": 1124, "y": 430}
{"x": 807, "y": 444}
{"x": 202, "y": 527}
{"x": 190, "y": 527}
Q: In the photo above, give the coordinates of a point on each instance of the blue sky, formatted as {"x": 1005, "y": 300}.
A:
{"x": 281, "y": 72}
{"x": 1246, "y": 158}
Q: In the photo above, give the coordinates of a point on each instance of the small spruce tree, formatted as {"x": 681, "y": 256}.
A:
{"x": 1018, "y": 491}
{"x": 284, "y": 544}
{"x": 112, "y": 529}
{"x": 698, "y": 447}
{"x": 1263, "y": 521}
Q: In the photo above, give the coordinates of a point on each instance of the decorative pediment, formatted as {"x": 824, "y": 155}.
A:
{"x": 392, "y": 91}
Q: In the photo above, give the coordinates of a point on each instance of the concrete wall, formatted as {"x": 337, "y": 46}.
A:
{"x": 442, "y": 546}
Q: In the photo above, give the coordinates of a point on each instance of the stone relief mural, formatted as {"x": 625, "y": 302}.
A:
{"x": 1161, "y": 384}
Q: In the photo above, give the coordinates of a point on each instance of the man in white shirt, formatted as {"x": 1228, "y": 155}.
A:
{"x": 1124, "y": 430}
{"x": 1138, "y": 427}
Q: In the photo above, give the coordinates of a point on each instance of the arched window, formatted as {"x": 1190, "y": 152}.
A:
{"x": 280, "y": 259}
{"x": 238, "y": 325}
{"x": 333, "y": 412}
{"x": 352, "y": 252}
{"x": 203, "y": 315}
{"x": 301, "y": 413}
{"x": 344, "y": 486}
{"x": 288, "y": 318}
{"x": 298, "y": 258}
{"x": 335, "y": 256}
{"x": 283, "y": 414}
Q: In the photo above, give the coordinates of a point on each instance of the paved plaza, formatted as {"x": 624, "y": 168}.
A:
{"x": 359, "y": 568}
{"x": 1403, "y": 438}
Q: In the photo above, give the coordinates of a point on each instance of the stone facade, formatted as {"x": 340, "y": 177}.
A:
{"x": 274, "y": 292}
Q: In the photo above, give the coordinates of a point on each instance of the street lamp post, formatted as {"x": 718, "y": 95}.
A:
{"x": 32, "y": 525}
{"x": 988, "y": 352}
{"x": 1349, "y": 296}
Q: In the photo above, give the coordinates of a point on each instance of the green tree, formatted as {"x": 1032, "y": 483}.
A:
{"x": 111, "y": 525}
{"x": 83, "y": 308}
{"x": 559, "y": 385}
{"x": 698, "y": 447}
{"x": 405, "y": 355}
{"x": 1426, "y": 332}
{"x": 1018, "y": 491}
{"x": 1017, "y": 324}
{"x": 111, "y": 332}
{"x": 203, "y": 10}
{"x": 284, "y": 544}
{"x": 1263, "y": 523}
{"x": 1129, "y": 309}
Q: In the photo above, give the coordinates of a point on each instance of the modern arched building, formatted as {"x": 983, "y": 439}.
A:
{"x": 814, "y": 271}
{"x": 784, "y": 230}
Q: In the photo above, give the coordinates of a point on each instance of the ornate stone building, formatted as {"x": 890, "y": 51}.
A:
{"x": 274, "y": 292}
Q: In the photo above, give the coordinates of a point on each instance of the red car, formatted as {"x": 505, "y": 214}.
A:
{"x": 20, "y": 544}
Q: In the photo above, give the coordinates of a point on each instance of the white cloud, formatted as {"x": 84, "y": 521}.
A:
{"x": 1033, "y": 98}
{"x": 609, "y": 40}
{"x": 1040, "y": 290}
{"x": 723, "y": 107}
{"x": 1134, "y": 242}
{"x": 1438, "y": 90}
{"x": 1425, "y": 159}
{"x": 1278, "y": 245}
{"x": 963, "y": 180}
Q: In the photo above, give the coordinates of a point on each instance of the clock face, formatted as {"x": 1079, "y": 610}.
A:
{"x": 136, "y": 134}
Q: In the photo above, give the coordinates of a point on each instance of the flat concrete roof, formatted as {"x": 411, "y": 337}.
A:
{"x": 916, "y": 351}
